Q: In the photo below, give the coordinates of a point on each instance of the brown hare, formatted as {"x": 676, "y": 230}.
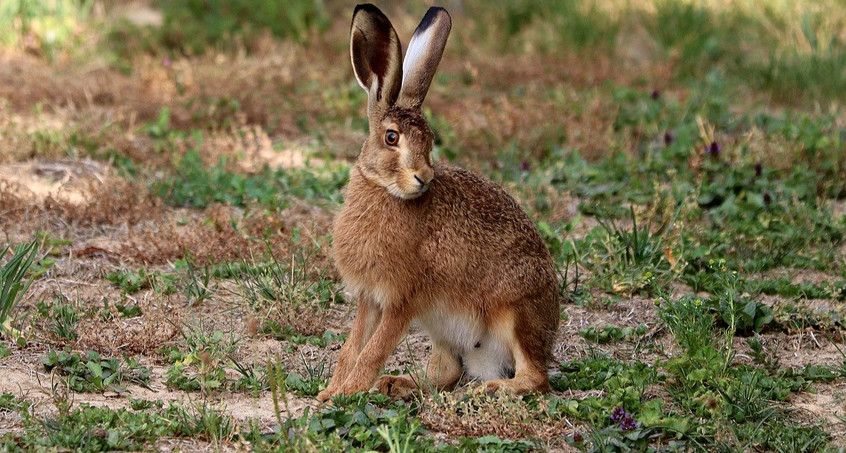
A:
{"x": 431, "y": 243}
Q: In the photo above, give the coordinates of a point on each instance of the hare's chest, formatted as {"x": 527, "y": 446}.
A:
{"x": 375, "y": 257}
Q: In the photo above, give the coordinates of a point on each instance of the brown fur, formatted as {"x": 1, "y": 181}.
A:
{"x": 446, "y": 247}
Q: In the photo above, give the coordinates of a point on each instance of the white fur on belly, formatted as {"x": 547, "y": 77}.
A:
{"x": 462, "y": 334}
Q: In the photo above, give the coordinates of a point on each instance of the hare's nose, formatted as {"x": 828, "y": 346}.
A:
{"x": 424, "y": 177}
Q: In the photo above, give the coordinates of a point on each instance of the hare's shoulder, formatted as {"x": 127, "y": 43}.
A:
{"x": 470, "y": 200}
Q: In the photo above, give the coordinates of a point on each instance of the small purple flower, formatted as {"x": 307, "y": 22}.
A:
{"x": 714, "y": 149}
{"x": 166, "y": 62}
{"x": 669, "y": 138}
{"x": 618, "y": 414}
{"x": 758, "y": 170}
{"x": 525, "y": 166}
{"x": 655, "y": 95}
{"x": 628, "y": 423}
{"x": 625, "y": 419}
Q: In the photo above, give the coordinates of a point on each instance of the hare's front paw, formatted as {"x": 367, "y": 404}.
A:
{"x": 326, "y": 394}
{"x": 396, "y": 386}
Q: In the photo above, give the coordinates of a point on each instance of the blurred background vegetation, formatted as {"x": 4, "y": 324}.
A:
{"x": 792, "y": 49}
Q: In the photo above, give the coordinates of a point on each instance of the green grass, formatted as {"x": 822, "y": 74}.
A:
{"x": 12, "y": 279}
{"x": 88, "y": 428}
{"x": 195, "y": 186}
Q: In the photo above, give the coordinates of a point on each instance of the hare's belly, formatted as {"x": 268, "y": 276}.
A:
{"x": 483, "y": 356}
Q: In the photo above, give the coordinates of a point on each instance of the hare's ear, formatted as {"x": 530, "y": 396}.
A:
{"x": 423, "y": 55}
{"x": 376, "y": 57}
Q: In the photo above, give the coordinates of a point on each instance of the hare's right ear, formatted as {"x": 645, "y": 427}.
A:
{"x": 376, "y": 57}
{"x": 423, "y": 55}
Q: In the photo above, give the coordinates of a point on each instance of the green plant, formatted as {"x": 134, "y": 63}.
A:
{"x": 65, "y": 319}
{"x": 128, "y": 311}
{"x": 132, "y": 282}
{"x": 202, "y": 366}
{"x": 623, "y": 260}
{"x": 91, "y": 373}
{"x": 611, "y": 333}
{"x": 194, "y": 25}
{"x": 253, "y": 378}
{"x": 198, "y": 288}
{"x": 195, "y": 186}
{"x": 12, "y": 284}
{"x": 292, "y": 296}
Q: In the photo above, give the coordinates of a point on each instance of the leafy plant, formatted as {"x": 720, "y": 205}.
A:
{"x": 202, "y": 367}
{"x": 91, "y": 373}
{"x": 292, "y": 297}
{"x": 12, "y": 284}
{"x": 611, "y": 333}
{"x": 65, "y": 319}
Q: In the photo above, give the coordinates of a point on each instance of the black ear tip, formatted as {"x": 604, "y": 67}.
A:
{"x": 432, "y": 15}
{"x": 437, "y": 10}
{"x": 369, "y": 7}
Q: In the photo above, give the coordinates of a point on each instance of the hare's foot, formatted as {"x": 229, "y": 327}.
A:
{"x": 327, "y": 394}
{"x": 519, "y": 384}
{"x": 444, "y": 368}
{"x": 401, "y": 387}
{"x": 530, "y": 374}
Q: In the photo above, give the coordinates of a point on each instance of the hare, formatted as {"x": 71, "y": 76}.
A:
{"x": 431, "y": 243}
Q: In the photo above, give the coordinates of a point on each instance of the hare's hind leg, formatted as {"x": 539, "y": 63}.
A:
{"x": 442, "y": 372}
{"x": 529, "y": 352}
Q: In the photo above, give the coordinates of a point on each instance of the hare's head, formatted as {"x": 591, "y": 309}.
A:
{"x": 397, "y": 154}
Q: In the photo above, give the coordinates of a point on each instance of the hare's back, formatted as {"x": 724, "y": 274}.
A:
{"x": 478, "y": 232}
{"x": 478, "y": 211}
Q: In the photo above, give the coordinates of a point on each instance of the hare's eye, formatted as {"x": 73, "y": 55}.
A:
{"x": 391, "y": 137}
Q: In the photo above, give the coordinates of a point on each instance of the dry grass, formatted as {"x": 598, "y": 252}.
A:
{"x": 474, "y": 414}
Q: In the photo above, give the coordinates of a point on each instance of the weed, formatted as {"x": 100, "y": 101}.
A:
{"x": 8, "y": 402}
{"x": 252, "y": 378}
{"x": 12, "y": 284}
{"x": 291, "y": 297}
{"x": 91, "y": 373}
{"x": 806, "y": 290}
{"x": 132, "y": 282}
{"x": 202, "y": 366}
{"x": 611, "y": 333}
{"x": 576, "y": 25}
{"x": 139, "y": 404}
{"x": 194, "y": 26}
{"x": 198, "y": 288}
{"x": 65, "y": 318}
{"x": 128, "y": 311}
{"x": 89, "y": 428}
{"x": 627, "y": 261}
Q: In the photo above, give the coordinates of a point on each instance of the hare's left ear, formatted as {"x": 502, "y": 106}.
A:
{"x": 376, "y": 57}
{"x": 422, "y": 57}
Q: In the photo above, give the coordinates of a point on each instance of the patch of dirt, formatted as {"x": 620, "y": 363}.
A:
{"x": 826, "y": 405}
